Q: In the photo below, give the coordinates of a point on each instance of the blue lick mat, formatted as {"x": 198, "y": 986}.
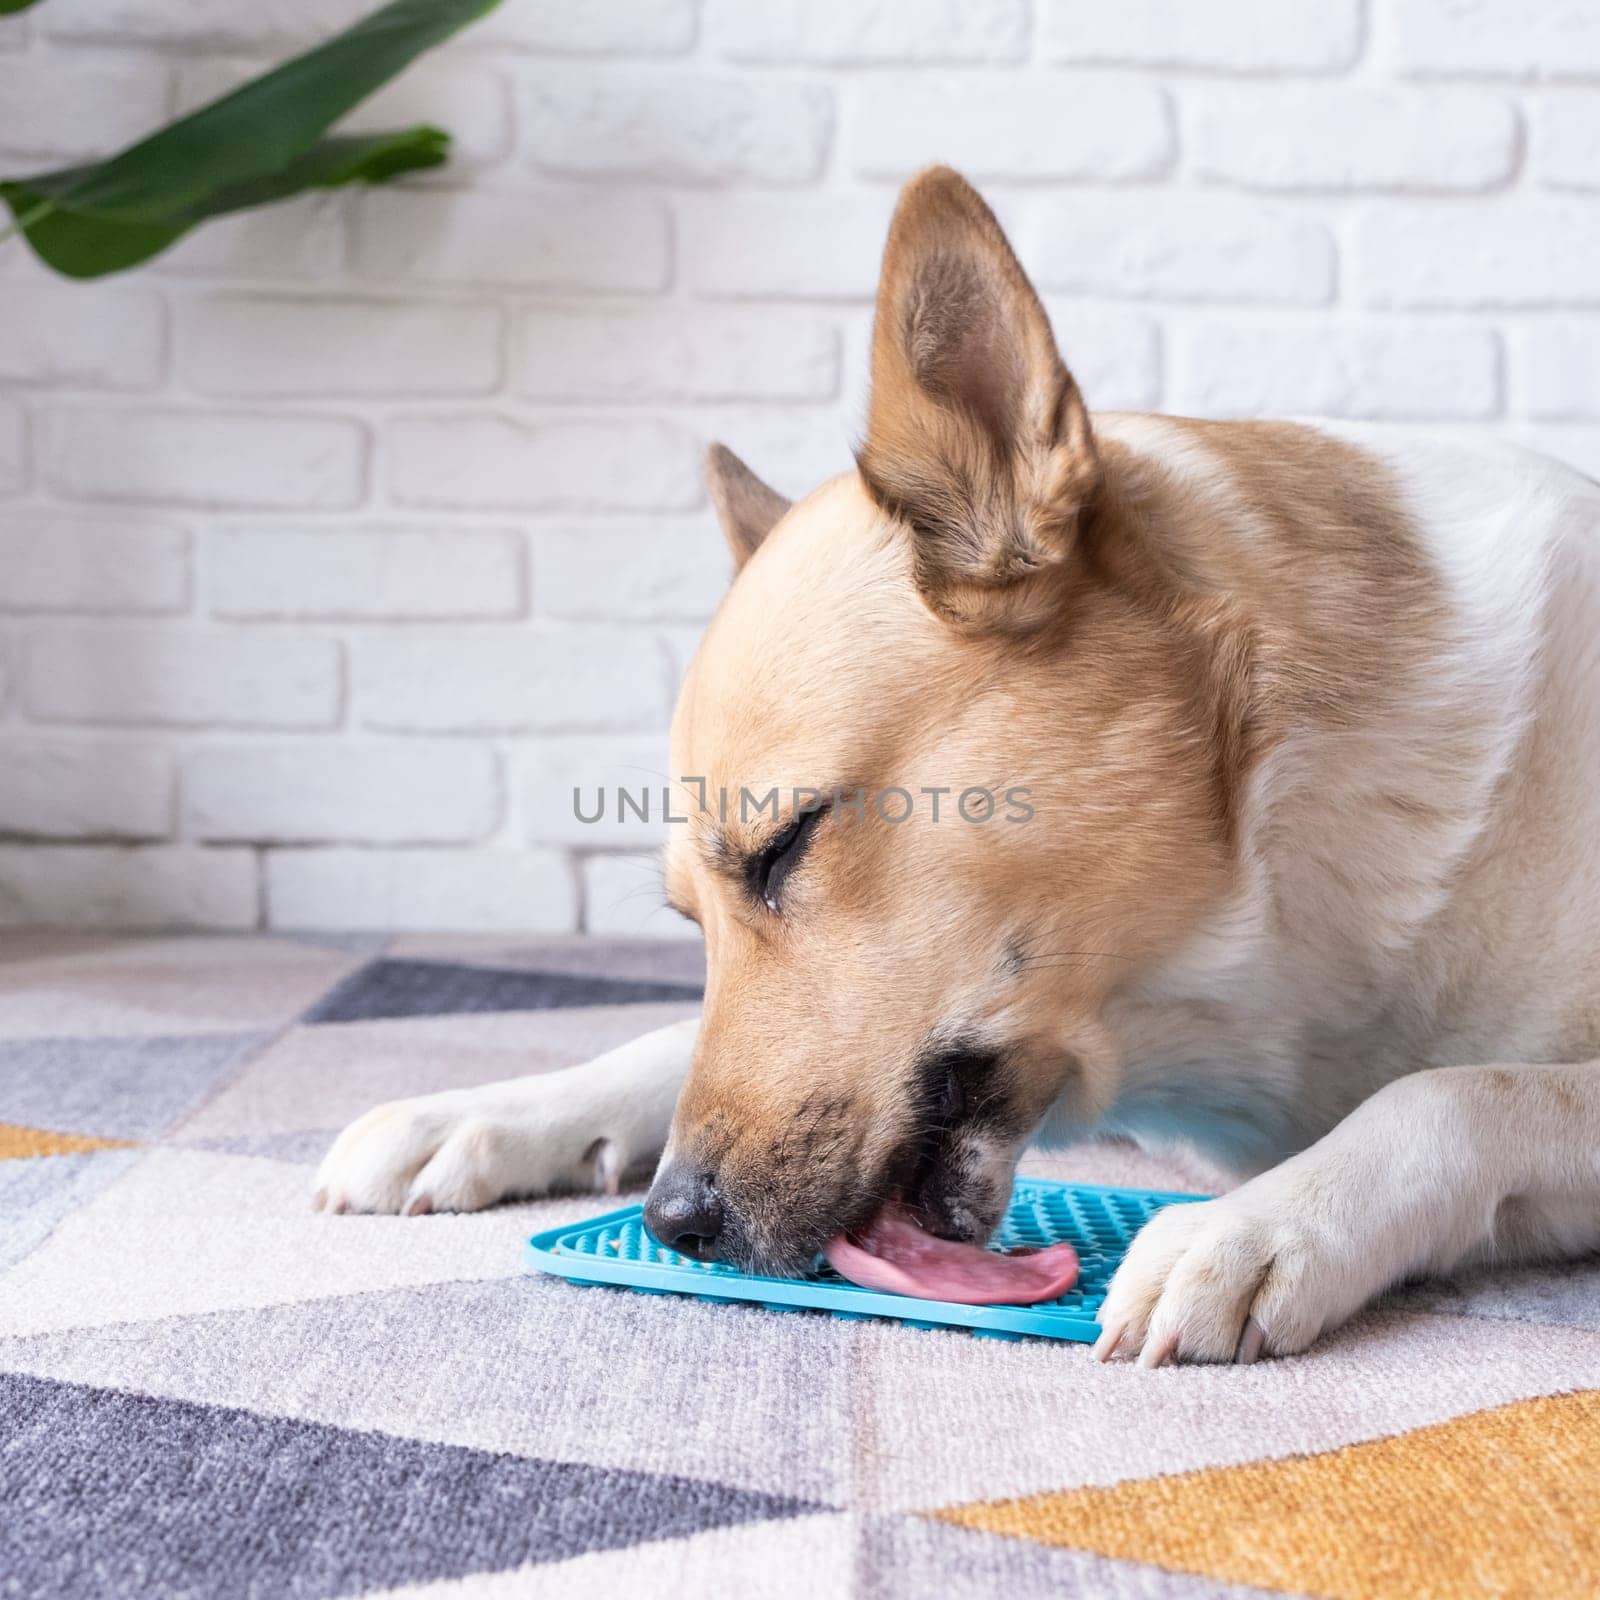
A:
{"x": 1098, "y": 1223}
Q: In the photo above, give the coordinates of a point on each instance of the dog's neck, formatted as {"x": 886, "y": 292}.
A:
{"x": 1394, "y": 691}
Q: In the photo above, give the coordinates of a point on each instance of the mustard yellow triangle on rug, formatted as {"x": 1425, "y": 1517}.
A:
{"x": 19, "y": 1144}
{"x": 1503, "y": 1502}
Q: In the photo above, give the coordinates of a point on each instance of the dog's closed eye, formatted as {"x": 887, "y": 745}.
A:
{"x": 768, "y": 869}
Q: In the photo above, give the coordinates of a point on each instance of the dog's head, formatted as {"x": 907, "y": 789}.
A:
{"x": 951, "y": 779}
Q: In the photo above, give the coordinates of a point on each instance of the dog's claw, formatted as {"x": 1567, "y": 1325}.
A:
{"x": 1158, "y": 1355}
{"x": 1250, "y": 1342}
{"x": 319, "y": 1200}
{"x": 1110, "y": 1337}
{"x": 419, "y": 1205}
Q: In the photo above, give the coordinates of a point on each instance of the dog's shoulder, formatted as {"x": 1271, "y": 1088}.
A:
{"x": 1424, "y": 823}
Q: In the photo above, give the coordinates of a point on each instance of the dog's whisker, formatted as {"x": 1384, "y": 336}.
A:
{"x": 671, "y": 783}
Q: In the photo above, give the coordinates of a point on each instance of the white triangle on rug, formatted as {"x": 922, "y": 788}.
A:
{"x": 188, "y": 1231}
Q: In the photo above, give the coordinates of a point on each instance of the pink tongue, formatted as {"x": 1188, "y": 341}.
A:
{"x": 892, "y": 1253}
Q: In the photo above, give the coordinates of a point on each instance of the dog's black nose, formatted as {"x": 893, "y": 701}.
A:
{"x": 683, "y": 1211}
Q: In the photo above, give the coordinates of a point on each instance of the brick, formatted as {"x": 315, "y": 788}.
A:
{"x": 269, "y": 26}
{"x": 814, "y": 247}
{"x": 1566, "y": 139}
{"x": 681, "y": 642}
{"x": 303, "y": 238}
{"x": 1221, "y": 35}
{"x": 422, "y": 891}
{"x": 205, "y": 458}
{"x": 415, "y": 792}
{"x": 701, "y": 354}
{"x": 655, "y": 573}
{"x": 1559, "y": 366}
{"x": 1494, "y": 38}
{"x": 13, "y": 447}
{"x": 181, "y": 678}
{"x": 112, "y": 104}
{"x": 794, "y": 448}
{"x": 544, "y": 239}
{"x": 1114, "y": 354}
{"x": 1353, "y": 137}
{"x": 93, "y": 337}
{"x": 72, "y": 789}
{"x": 509, "y": 681}
{"x": 1511, "y": 253}
{"x": 127, "y": 887}
{"x": 623, "y": 899}
{"x": 472, "y": 101}
{"x": 1010, "y": 128}
{"x": 64, "y": 562}
{"x": 272, "y": 345}
{"x": 617, "y": 28}
{"x": 1266, "y": 369}
{"x": 481, "y": 461}
{"x": 849, "y": 33}
{"x": 375, "y": 573}
{"x": 597, "y": 768}
{"x": 680, "y": 129}
{"x": 1187, "y": 248}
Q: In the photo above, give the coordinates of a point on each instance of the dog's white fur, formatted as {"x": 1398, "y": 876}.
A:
{"x": 1358, "y": 1033}
{"x": 1428, "y": 1170}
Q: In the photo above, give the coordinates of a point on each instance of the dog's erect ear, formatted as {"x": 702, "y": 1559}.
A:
{"x": 977, "y": 436}
{"x": 746, "y": 507}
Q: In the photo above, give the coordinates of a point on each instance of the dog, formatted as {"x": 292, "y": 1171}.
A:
{"x": 1306, "y": 720}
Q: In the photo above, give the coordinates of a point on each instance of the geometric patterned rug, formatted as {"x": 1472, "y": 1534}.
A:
{"x": 207, "y": 1389}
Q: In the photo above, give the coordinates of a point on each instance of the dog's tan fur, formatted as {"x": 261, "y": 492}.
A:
{"x": 1313, "y": 816}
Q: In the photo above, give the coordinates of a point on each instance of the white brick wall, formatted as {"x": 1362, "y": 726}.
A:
{"x": 50, "y": 341}
{"x": 181, "y": 677}
{"x": 338, "y": 545}
{"x": 492, "y": 460}
{"x": 1051, "y": 126}
{"x": 38, "y": 123}
{"x": 527, "y": 680}
{"x": 342, "y": 792}
{"x": 86, "y": 789}
{"x": 1495, "y": 38}
{"x": 203, "y": 458}
{"x": 13, "y": 446}
{"x": 680, "y": 128}
{"x": 73, "y": 561}
{"x": 455, "y": 891}
{"x": 1352, "y": 137}
{"x": 1234, "y": 36}
{"x": 620, "y": 28}
{"x": 267, "y": 346}
{"x": 576, "y": 354}
{"x": 1566, "y": 139}
{"x": 393, "y": 573}
{"x": 147, "y": 886}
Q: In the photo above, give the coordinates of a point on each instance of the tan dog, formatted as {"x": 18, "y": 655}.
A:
{"x": 1308, "y": 725}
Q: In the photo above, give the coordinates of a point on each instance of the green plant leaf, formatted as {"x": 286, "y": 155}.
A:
{"x": 262, "y": 142}
{"x": 8, "y": 6}
{"x": 89, "y": 245}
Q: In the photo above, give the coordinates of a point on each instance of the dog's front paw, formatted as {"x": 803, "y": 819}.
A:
{"x": 1231, "y": 1279}
{"x": 461, "y": 1151}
